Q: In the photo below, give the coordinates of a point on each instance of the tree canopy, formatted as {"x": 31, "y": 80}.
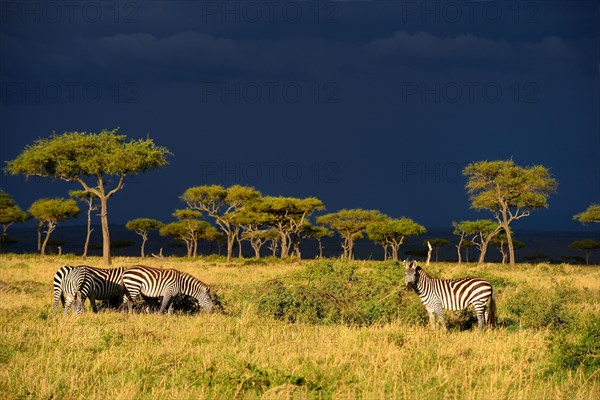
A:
{"x": 350, "y": 224}
{"x": 587, "y": 246}
{"x": 221, "y": 204}
{"x": 392, "y": 233}
{"x": 50, "y": 212}
{"x": 142, "y": 227}
{"x": 90, "y": 159}
{"x": 10, "y": 213}
{"x": 591, "y": 214}
{"x": 509, "y": 191}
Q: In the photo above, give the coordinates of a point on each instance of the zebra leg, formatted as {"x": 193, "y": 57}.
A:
{"x": 165, "y": 302}
{"x": 79, "y": 301}
{"x": 481, "y": 317}
{"x": 430, "y": 312}
{"x": 440, "y": 315}
{"x": 92, "y": 298}
{"x": 68, "y": 301}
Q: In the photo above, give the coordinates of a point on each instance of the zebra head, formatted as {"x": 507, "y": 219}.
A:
{"x": 205, "y": 302}
{"x": 412, "y": 273}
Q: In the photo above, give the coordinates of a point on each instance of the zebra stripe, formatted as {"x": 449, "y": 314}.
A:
{"x": 165, "y": 283}
{"x": 74, "y": 284}
{"x": 107, "y": 285}
{"x": 451, "y": 294}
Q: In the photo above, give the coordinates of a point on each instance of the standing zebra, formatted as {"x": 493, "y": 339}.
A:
{"x": 451, "y": 294}
{"x": 72, "y": 285}
{"x": 165, "y": 283}
{"x": 107, "y": 284}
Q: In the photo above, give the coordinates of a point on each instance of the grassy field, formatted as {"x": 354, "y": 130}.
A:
{"x": 546, "y": 345}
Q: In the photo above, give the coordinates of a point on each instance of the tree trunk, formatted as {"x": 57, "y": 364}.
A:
{"x": 511, "y": 248}
{"x": 384, "y": 252}
{"x": 351, "y": 249}
{"x": 466, "y": 254}
{"x": 482, "y": 251}
{"x": 320, "y": 248}
{"x": 395, "y": 252}
{"x": 587, "y": 257}
{"x": 195, "y": 252}
{"x": 428, "y": 253}
{"x": 239, "y": 243}
{"x": 89, "y": 228}
{"x": 484, "y": 245}
{"x": 284, "y": 245}
{"x": 39, "y": 236}
{"x": 144, "y": 240}
{"x": 230, "y": 241}
{"x": 105, "y": 231}
{"x": 458, "y": 246}
{"x": 51, "y": 227}
{"x": 256, "y": 246}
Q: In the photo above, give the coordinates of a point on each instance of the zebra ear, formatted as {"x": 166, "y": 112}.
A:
{"x": 405, "y": 263}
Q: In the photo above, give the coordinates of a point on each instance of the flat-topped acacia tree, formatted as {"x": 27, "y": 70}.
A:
{"x": 10, "y": 213}
{"x": 142, "y": 227}
{"x": 90, "y": 159}
{"x": 591, "y": 214}
{"x": 49, "y": 212}
{"x": 350, "y": 224}
{"x": 509, "y": 191}
{"x": 221, "y": 204}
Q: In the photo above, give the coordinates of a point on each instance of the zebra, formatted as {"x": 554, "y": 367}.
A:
{"x": 71, "y": 287}
{"x": 165, "y": 283}
{"x": 451, "y": 294}
{"x": 107, "y": 284}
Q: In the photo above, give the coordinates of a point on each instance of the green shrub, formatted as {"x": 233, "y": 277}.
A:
{"x": 328, "y": 292}
{"x": 580, "y": 349}
{"x": 540, "y": 308}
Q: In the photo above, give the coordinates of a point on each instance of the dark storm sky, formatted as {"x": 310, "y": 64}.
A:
{"x": 362, "y": 104}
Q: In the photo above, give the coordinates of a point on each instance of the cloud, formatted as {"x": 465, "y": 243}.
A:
{"x": 184, "y": 50}
{"x": 463, "y": 48}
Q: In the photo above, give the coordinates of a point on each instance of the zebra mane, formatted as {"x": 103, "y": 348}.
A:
{"x": 190, "y": 276}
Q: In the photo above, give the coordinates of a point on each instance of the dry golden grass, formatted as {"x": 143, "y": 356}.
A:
{"x": 245, "y": 355}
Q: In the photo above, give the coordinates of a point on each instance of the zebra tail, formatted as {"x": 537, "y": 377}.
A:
{"x": 492, "y": 312}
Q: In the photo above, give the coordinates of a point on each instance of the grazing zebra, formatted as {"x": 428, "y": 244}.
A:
{"x": 451, "y": 294}
{"x": 74, "y": 286}
{"x": 165, "y": 283}
{"x": 107, "y": 285}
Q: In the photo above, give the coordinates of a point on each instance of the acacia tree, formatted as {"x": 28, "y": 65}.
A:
{"x": 393, "y": 232}
{"x": 49, "y": 212}
{"x": 318, "y": 233}
{"x": 90, "y": 159}
{"x": 591, "y": 214}
{"x": 461, "y": 241}
{"x": 499, "y": 241}
{"x": 467, "y": 244}
{"x": 509, "y": 191}
{"x": 350, "y": 224}
{"x": 221, "y": 204}
{"x": 251, "y": 221}
{"x": 482, "y": 231}
{"x": 194, "y": 227}
{"x": 288, "y": 215}
{"x": 438, "y": 243}
{"x": 89, "y": 199}
{"x": 587, "y": 246}
{"x": 10, "y": 213}
{"x": 142, "y": 227}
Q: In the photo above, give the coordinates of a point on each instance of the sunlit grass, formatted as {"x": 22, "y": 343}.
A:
{"x": 243, "y": 354}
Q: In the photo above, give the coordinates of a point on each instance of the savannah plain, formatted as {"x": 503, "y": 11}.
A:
{"x": 304, "y": 330}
